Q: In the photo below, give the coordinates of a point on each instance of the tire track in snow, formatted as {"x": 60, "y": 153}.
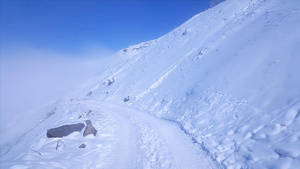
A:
{"x": 124, "y": 150}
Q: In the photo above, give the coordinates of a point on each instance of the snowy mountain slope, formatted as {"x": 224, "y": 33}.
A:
{"x": 228, "y": 78}
{"x": 200, "y": 46}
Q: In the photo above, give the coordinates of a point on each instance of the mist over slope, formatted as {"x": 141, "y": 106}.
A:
{"x": 229, "y": 77}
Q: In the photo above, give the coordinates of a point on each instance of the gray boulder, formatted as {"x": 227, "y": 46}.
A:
{"x": 82, "y": 145}
{"x": 90, "y": 129}
{"x": 64, "y": 130}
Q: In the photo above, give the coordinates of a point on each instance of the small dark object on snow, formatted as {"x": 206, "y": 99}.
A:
{"x": 64, "y": 130}
{"x": 90, "y": 129}
{"x": 89, "y": 93}
{"x": 37, "y": 152}
{"x": 110, "y": 81}
{"x": 126, "y": 99}
{"x": 82, "y": 145}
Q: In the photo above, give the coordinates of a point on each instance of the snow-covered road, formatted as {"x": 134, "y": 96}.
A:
{"x": 144, "y": 141}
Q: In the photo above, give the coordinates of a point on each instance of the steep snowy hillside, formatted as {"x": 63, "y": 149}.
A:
{"x": 228, "y": 78}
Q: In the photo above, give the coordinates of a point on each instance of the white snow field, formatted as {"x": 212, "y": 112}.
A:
{"x": 220, "y": 91}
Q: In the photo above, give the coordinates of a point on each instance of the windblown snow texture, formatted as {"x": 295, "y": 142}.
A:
{"x": 223, "y": 89}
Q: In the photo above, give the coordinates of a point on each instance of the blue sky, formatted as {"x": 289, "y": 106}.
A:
{"x": 73, "y": 27}
{"x": 45, "y": 44}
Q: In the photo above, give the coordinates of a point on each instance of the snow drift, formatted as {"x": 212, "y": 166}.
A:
{"x": 229, "y": 77}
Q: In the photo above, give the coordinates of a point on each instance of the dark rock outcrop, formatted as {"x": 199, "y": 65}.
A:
{"x": 90, "y": 129}
{"x": 64, "y": 130}
{"x": 82, "y": 145}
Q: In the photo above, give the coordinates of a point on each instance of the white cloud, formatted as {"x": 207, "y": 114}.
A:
{"x": 31, "y": 77}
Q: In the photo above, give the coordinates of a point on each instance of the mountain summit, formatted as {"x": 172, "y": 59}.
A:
{"x": 224, "y": 86}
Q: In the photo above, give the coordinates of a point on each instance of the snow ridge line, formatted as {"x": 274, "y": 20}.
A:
{"x": 120, "y": 68}
{"x": 165, "y": 75}
{"x": 244, "y": 12}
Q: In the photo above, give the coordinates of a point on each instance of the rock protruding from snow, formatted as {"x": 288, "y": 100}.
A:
{"x": 82, "y": 145}
{"x": 90, "y": 129}
{"x": 64, "y": 130}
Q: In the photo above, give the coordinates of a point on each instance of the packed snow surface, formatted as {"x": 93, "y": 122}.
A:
{"x": 220, "y": 91}
{"x": 128, "y": 138}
